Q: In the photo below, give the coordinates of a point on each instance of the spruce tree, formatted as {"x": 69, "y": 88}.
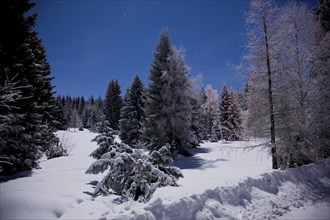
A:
{"x": 177, "y": 97}
{"x": 132, "y": 114}
{"x": 154, "y": 101}
{"x": 168, "y": 103}
{"x": 22, "y": 57}
{"x": 225, "y": 114}
{"x": 235, "y": 117}
{"x": 113, "y": 104}
{"x": 198, "y": 117}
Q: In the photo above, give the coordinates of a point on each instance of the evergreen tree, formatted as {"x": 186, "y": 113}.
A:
{"x": 177, "y": 96}
{"x": 198, "y": 117}
{"x": 134, "y": 174}
{"x": 154, "y": 101}
{"x": 23, "y": 57}
{"x": 113, "y": 104}
{"x": 168, "y": 104}
{"x": 225, "y": 114}
{"x": 210, "y": 109}
{"x": 75, "y": 121}
{"x": 132, "y": 114}
{"x": 235, "y": 118}
{"x": 105, "y": 139}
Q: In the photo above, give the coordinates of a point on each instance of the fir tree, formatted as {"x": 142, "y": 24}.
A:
{"x": 132, "y": 114}
{"x": 113, "y": 104}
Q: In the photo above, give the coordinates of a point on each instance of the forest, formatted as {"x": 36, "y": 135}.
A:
{"x": 285, "y": 102}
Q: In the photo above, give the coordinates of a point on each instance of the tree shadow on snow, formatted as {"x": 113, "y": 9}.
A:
{"x": 22, "y": 174}
{"x": 189, "y": 162}
{"x": 196, "y": 162}
{"x": 200, "y": 150}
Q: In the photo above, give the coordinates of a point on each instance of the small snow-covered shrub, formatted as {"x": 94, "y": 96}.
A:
{"x": 57, "y": 150}
{"x": 133, "y": 172}
{"x": 105, "y": 139}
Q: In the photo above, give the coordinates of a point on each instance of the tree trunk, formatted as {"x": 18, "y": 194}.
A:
{"x": 270, "y": 98}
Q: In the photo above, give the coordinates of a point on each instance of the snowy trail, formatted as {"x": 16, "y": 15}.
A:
{"x": 49, "y": 192}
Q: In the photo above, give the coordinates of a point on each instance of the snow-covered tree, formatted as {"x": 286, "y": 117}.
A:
{"x": 224, "y": 105}
{"x": 198, "y": 117}
{"x": 230, "y": 115}
{"x": 154, "y": 99}
{"x": 319, "y": 128}
{"x": 210, "y": 109}
{"x": 168, "y": 102}
{"x": 133, "y": 173}
{"x": 262, "y": 39}
{"x": 286, "y": 68}
{"x": 105, "y": 139}
{"x": 132, "y": 114}
{"x": 75, "y": 120}
{"x": 235, "y": 118}
{"x": 177, "y": 106}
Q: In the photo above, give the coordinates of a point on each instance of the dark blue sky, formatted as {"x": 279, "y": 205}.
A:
{"x": 90, "y": 42}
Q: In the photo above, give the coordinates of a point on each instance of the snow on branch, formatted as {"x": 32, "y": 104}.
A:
{"x": 10, "y": 92}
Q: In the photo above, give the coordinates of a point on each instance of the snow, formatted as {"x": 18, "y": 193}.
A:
{"x": 222, "y": 181}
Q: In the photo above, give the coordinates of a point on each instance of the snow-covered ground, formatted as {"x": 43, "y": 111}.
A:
{"x": 222, "y": 181}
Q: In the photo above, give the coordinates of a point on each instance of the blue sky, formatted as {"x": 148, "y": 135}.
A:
{"x": 88, "y": 43}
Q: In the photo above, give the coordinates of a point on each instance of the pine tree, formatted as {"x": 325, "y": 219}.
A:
{"x": 113, "y": 104}
{"x": 132, "y": 114}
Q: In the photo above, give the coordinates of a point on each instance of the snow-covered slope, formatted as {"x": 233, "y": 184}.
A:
{"x": 222, "y": 181}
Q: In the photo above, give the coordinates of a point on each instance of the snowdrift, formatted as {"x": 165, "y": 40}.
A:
{"x": 269, "y": 196}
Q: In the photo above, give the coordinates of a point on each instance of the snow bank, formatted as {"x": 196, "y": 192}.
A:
{"x": 269, "y": 196}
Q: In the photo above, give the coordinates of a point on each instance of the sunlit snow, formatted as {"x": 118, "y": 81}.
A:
{"x": 222, "y": 181}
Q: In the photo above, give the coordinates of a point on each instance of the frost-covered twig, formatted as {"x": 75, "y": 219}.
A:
{"x": 10, "y": 92}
